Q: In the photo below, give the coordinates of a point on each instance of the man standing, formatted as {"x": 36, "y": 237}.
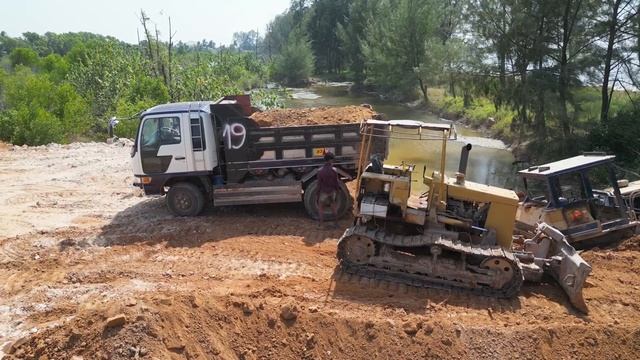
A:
{"x": 328, "y": 187}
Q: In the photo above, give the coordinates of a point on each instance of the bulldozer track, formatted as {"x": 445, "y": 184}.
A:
{"x": 424, "y": 281}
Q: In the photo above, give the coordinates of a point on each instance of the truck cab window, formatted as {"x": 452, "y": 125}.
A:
{"x": 161, "y": 131}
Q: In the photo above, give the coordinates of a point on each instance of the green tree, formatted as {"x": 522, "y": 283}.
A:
{"x": 23, "y": 56}
{"x": 324, "y": 19}
{"x": 397, "y": 45}
{"x": 102, "y": 72}
{"x": 295, "y": 63}
{"x": 351, "y": 34}
{"x": 55, "y": 66}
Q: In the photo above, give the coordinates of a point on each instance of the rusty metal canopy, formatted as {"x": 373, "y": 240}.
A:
{"x": 412, "y": 124}
{"x": 418, "y": 130}
{"x": 564, "y": 166}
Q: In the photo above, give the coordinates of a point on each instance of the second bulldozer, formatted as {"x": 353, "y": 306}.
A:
{"x": 456, "y": 235}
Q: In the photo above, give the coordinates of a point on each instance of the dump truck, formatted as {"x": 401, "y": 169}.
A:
{"x": 581, "y": 197}
{"x": 457, "y": 235}
{"x": 212, "y": 152}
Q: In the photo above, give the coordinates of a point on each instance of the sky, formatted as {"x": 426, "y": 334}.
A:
{"x": 191, "y": 20}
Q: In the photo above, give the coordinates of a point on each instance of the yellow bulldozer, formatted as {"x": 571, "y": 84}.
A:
{"x": 456, "y": 235}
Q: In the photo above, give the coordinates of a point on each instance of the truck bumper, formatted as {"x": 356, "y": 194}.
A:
{"x": 155, "y": 187}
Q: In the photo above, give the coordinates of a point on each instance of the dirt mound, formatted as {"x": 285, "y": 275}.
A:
{"x": 106, "y": 274}
{"x": 250, "y": 325}
{"x": 315, "y": 116}
{"x": 630, "y": 244}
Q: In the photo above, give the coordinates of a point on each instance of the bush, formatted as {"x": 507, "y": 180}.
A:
{"x": 127, "y": 127}
{"x": 295, "y": 64}
{"x": 147, "y": 89}
{"x": 7, "y": 124}
{"x": 40, "y": 111}
{"x": 620, "y": 136}
{"x": 269, "y": 98}
{"x": 56, "y": 66}
{"x": 36, "y": 126}
{"x": 23, "y": 56}
{"x": 480, "y": 111}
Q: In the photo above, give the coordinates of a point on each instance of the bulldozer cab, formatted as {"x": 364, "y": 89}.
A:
{"x": 395, "y": 180}
{"x": 566, "y": 195}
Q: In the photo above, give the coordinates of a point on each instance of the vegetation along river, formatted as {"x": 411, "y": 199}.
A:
{"x": 489, "y": 163}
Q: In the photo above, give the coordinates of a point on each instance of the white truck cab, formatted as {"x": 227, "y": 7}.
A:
{"x": 171, "y": 140}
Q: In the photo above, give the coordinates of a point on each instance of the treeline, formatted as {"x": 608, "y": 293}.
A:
{"x": 64, "y": 87}
{"x": 560, "y": 75}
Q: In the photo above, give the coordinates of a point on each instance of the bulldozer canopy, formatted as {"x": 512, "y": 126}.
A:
{"x": 564, "y": 166}
{"x": 411, "y": 129}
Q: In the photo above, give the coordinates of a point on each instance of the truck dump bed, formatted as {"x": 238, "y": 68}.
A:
{"x": 246, "y": 148}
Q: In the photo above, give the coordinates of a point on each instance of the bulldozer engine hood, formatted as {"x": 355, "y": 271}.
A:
{"x": 470, "y": 191}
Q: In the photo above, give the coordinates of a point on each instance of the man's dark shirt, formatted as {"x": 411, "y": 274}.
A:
{"x": 328, "y": 181}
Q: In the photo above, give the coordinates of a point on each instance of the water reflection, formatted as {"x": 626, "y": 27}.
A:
{"x": 489, "y": 161}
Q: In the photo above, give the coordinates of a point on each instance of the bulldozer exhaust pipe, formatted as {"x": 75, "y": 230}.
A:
{"x": 464, "y": 160}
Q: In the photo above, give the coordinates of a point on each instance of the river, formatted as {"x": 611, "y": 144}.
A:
{"x": 489, "y": 163}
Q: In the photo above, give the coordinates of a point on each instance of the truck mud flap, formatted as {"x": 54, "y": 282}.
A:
{"x": 566, "y": 266}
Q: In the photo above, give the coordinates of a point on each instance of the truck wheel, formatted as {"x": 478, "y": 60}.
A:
{"x": 185, "y": 199}
{"x": 343, "y": 201}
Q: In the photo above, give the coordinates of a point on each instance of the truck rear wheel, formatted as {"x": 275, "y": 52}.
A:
{"x": 185, "y": 199}
{"x": 343, "y": 202}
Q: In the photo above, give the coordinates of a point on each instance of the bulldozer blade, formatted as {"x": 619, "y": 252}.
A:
{"x": 566, "y": 266}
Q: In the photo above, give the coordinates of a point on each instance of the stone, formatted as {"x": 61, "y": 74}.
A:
{"x": 447, "y": 342}
{"x": 428, "y": 329}
{"x": 313, "y": 309}
{"x": 10, "y": 348}
{"x": 410, "y": 327}
{"x": 289, "y": 312}
{"x": 311, "y": 340}
{"x": 165, "y": 301}
{"x": 175, "y": 345}
{"x": 115, "y": 321}
{"x": 247, "y": 309}
{"x": 271, "y": 322}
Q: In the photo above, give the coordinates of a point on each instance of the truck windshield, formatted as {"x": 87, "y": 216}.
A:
{"x": 160, "y": 131}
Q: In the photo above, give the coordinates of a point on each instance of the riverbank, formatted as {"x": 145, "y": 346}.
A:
{"x": 482, "y": 117}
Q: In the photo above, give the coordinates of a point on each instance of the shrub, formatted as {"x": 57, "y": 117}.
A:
{"x": 36, "y": 126}
{"x": 7, "y": 124}
{"x": 620, "y": 136}
{"x": 41, "y": 111}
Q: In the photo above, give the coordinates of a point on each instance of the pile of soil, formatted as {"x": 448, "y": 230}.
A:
{"x": 315, "y": 116}
{"x": 92, "y": 270}
{"x": 630, "y": 244}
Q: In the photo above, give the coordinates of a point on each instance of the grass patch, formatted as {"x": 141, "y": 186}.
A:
{"x": 481, "y": 112}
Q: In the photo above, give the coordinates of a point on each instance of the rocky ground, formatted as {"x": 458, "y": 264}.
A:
{"x": 91, "y": 269}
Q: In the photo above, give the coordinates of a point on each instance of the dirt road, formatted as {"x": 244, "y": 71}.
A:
{"x": 89, "y": 268}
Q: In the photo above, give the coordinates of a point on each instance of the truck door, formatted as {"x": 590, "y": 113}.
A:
{"x": 162, "y": 145}
{"x": 198, "y": 159}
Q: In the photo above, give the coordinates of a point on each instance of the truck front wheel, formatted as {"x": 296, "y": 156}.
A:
{"x": 185, "y": 199}
{"x": 343, "y": 202}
